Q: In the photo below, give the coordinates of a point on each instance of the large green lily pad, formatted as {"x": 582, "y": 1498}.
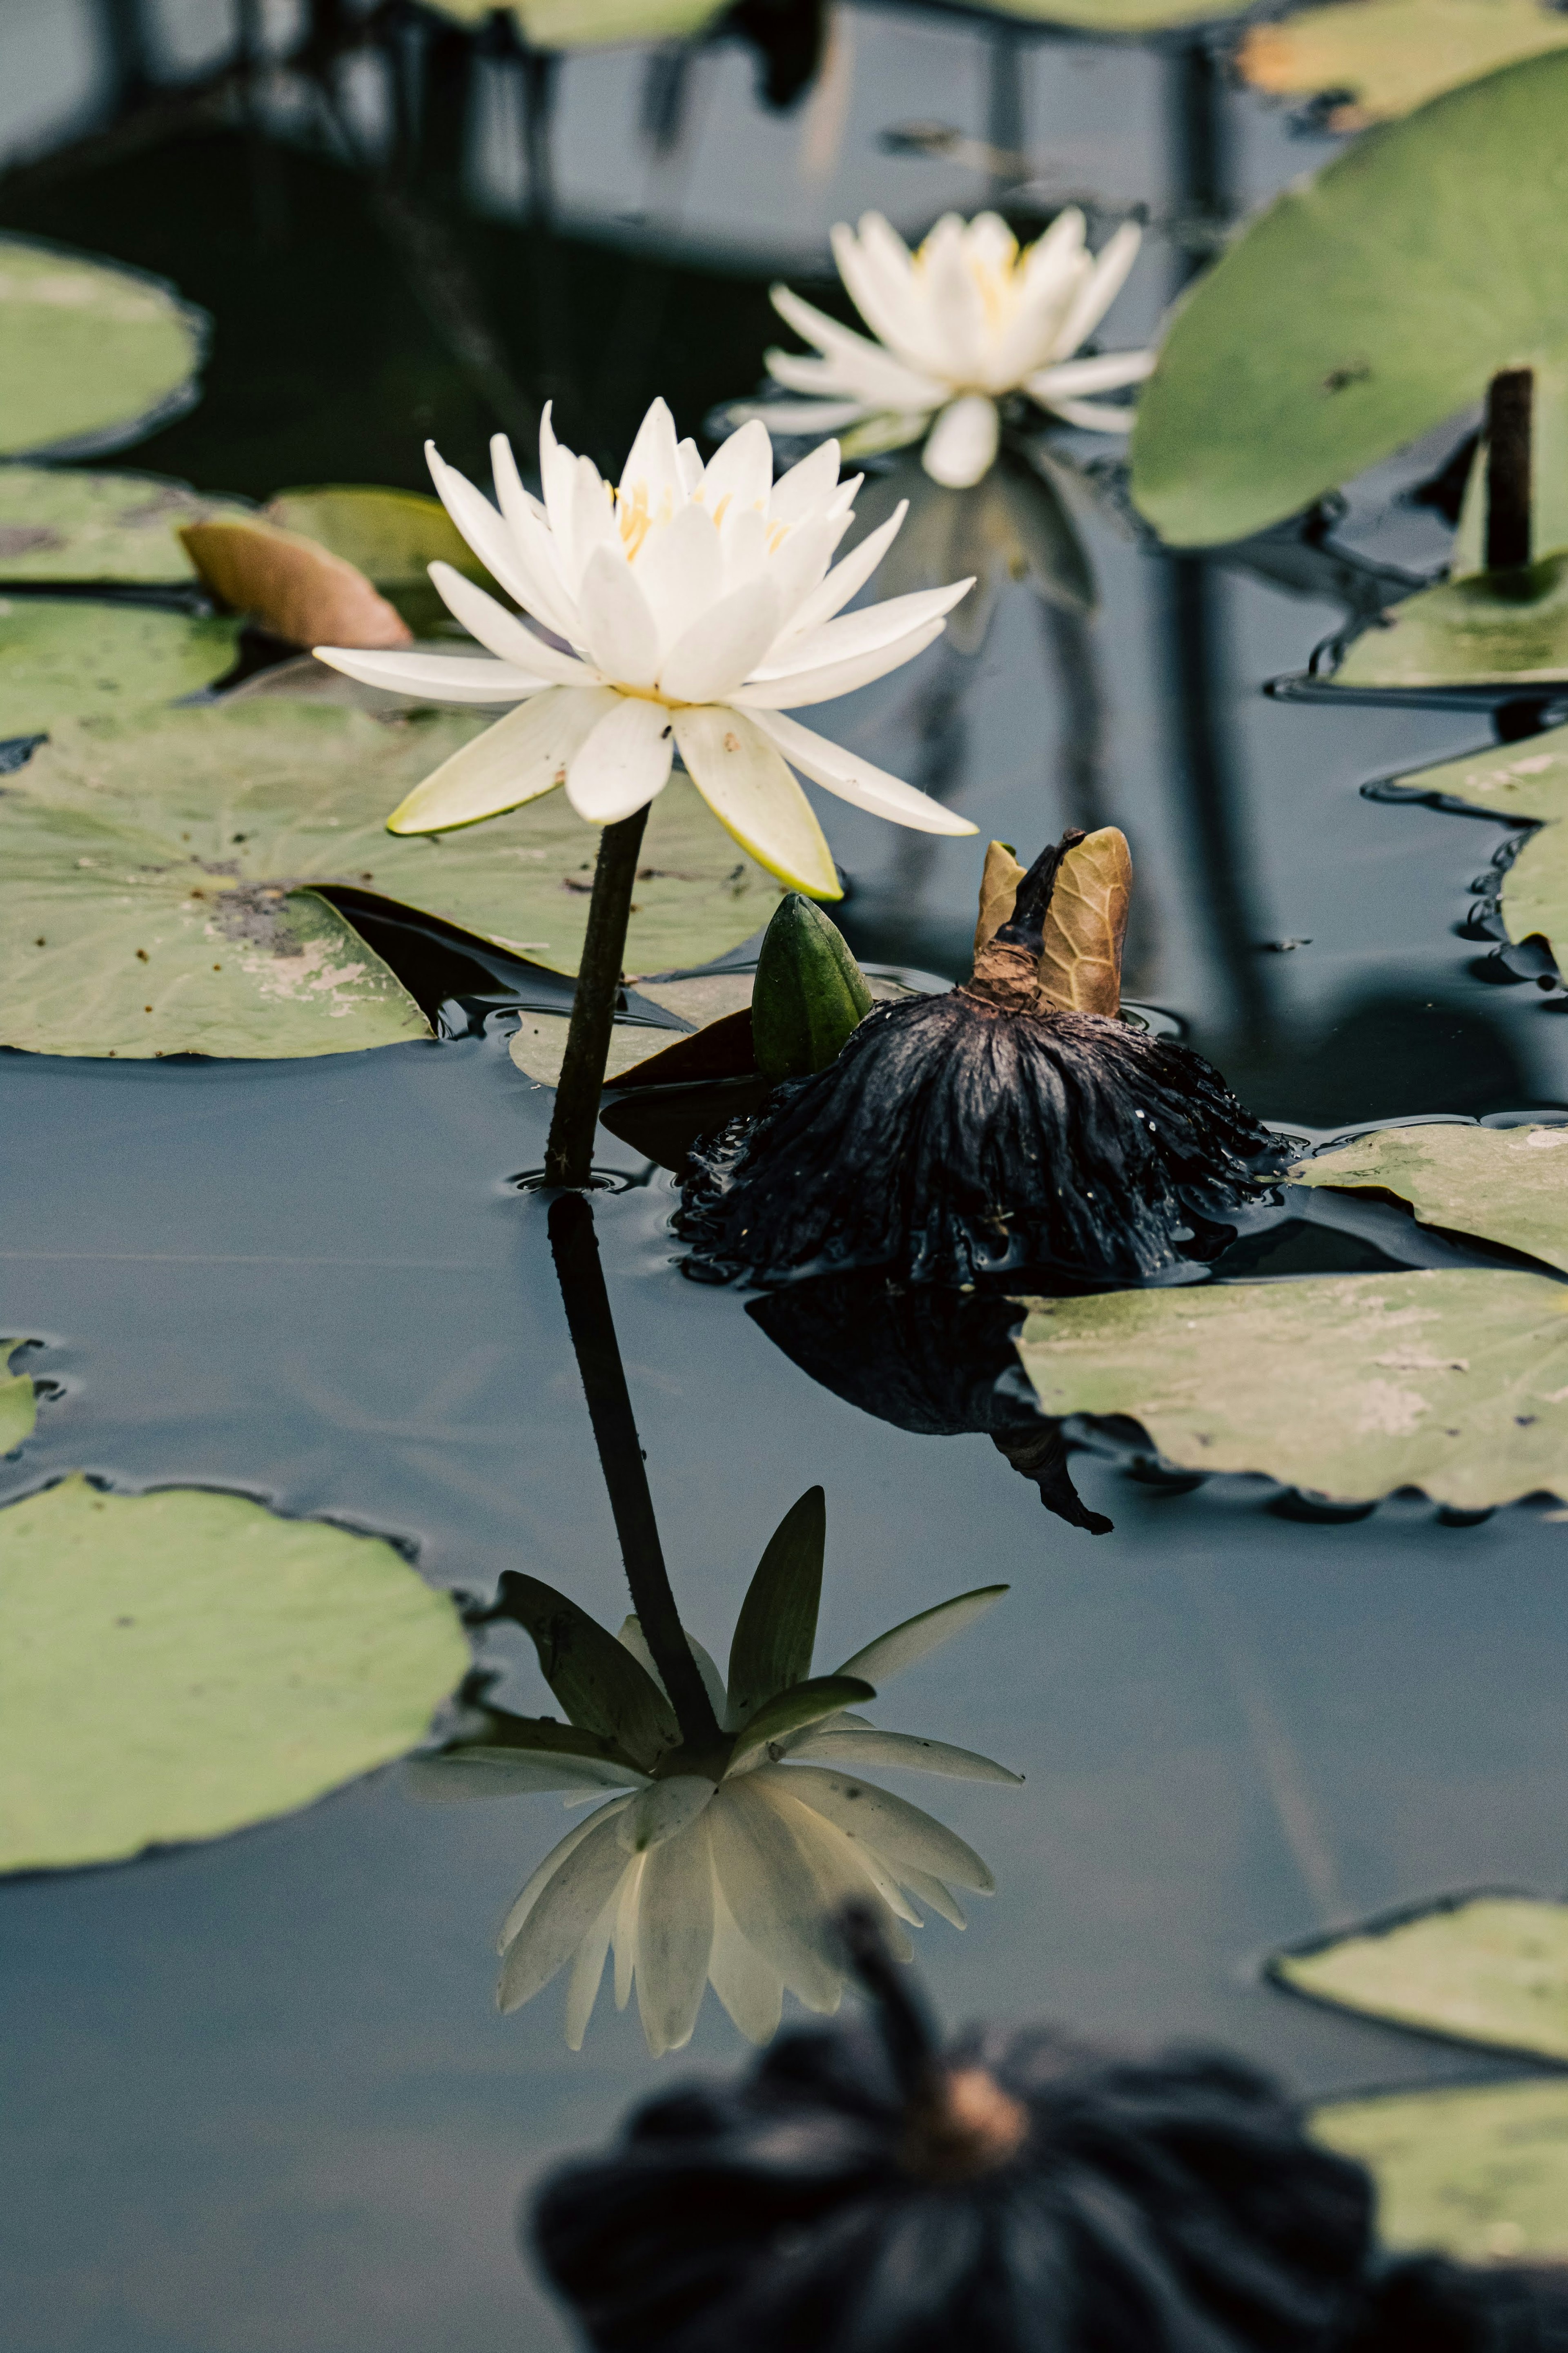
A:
{"x": 1480, "y": 2173}
{"x": 175, "y": 1665}
{"x": 1528, "y": 782}
{"x": 1492, "y": 629}
{"x": 1379, "y": 58}
{"x": 157, "y": 873}
{"x": 1451, "y": 1380}
{"x": 57, "y": 525}
{"x": 1507, "y": 1184}
{"x": 92, "y": 356}
{"x": 1491, "y": 1969}
{"x": 1360, "y": 308}
{"x": 61, "y": 660}
{"x": 18, "y": 1406}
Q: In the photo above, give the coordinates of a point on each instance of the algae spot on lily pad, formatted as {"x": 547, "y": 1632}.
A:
{"x": 1490, "y": 629}
{"x": 59, "y": 525}
{"x": 1451, "y": 1380}
{"x": 176, "y": 1665}
{"x": 1507, "y": 1184}
{"x": 64, "y": 659}
{"x": 92, "y": 356}
{"x": 1526, "y": 783}
{"x": 1488, "y": 1969}
{"x": 1479, "y": 2173}
{"x": 18, "y": 1404}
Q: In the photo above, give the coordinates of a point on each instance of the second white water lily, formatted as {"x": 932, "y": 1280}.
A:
{"x": 689, "y": 609}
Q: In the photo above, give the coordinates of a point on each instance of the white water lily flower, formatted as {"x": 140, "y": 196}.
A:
{"x": 688, "y": 611}
{"x": 962, "y": 322}
{"x": 688, "y": 1880}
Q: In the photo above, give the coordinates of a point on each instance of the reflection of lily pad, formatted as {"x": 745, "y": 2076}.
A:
{"x": 60, "y": 660}
{"x": 1479, "y": 2173}
{"x": 18, "y": 1408}
{"x": 1381, "y": 58}
{"x": 1489, "y": 630}
{"x": 156, "y": 881}
{"x": 1525, "y": 781}
{"x": 1360, "y": 308}
{"x": 1453, "y": 1381}
{"x": 1491, "y": 1969}
{"x": 57, "y": 525}
{"x": 1508, "y": 1184}
{"x": 174, "y": 1665}
{"x": 92, "y": 356}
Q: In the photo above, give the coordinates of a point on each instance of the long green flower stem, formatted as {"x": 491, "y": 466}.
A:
{"x": 569, "y": 1154}
{"x": 576, "y": 1249}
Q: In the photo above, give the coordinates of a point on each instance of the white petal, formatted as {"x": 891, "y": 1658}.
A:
{"x": 605, "y": 1819}
{"x": 833, "y": 679}
{"x": 768, "y": 1884}
{"x": 751, "y": 1990}
{"x": 433, "y": 678}
{"x": 594, "y": 522}
{"x": 844, "y": 496}
{"x": 865, "y": 631}
{"x": 558, "y": 473}
{"x": 582, "y": 1991}
{"x": 1093, "y": 416}
{"x": 522, "y": 756}
{"x": 1031, "y": 337}
{"x": 744, "y": 536}
{"x": 861, "y": 1750}
{"x": 963, "y": 442}
{"x": 845, "y": 579}
{"x": 675, "y": 1937}
{"x": 563, "y": 1914}
{"x": 1053, "y": 258}
{"x": 845, "y": 1869}
{"x": 1105, "y": 375}
{"x": 503, "y": 634}
{"x": 631, "y": 1635}
{"x": 625, "y": 1934}
{"x": 663, "y": 1809}
{"x": 956, "y": 307}
{"x": 1104, "y": 284}
{"x": 480, "y": 526}
{"x": 878, "y": 276}
{"x": 512, "y": 1773}
{"x": 795, "y": 417}
{"x": 617, "y": 625}
{"x": 513, "y": 500}
{"x": 746, "y": 785}
{"x": 518, "y": 551}
{"x": 899, "y": 1832}
{"x": 868, "y": 373}
{"x": 622, "y": 763}
{"x": 680, "y": 570}
{"x": 653, "y": 462}
{"x": 807, "y": 487}
{"x": 714, "y": 653}
{"x": 740, "y": 470}
{"x": 796, "y": 568}
{"x": 856, "y": 780}
{"x": 863, "y": 364}
{"x": 931, "y": 1891}
{"x": 917, "y": 1637}
{"x": 689, "y": 459}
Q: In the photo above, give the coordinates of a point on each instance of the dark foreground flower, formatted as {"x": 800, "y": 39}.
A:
{"x": 982, "y": 1132}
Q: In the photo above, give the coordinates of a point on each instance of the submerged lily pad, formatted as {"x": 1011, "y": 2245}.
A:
{"x": 1507, "y": 1184}
{"x": 157, "y": 881}
{"x": 1528, "y": 781}
{"x": 1480, "y": 2173}
{"x": 1491, "y": 1969}
{"x": 1377, "y": 59}
{"x": 60, "y": 525}
{"x": 1451, "y": 1380}
{"x": 1492, "y": 629}
{"x": 60, "y": 660}
{"x": 175, "y": 1665}
{"x": 18, "y": 1406}
{"x": 1362, "y": 308}
{"x": 91, "y": 355}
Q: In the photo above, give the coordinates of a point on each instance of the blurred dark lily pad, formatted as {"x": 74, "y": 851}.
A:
{"x": 59, "y": 525}
{"x": 175, "y": 1665}
{"x": 92, "y": 356}
{"x": 1507, "y": 1184}
{"x": 1527, "y": 783}
{"x": 1454, "y": 1382}
{"x": 18, "y": 1406}
{"x": 1480, "y": 2173}
{"x": 1492, "y": 629}
{"x": 61, "y": 659}
{"x": 1491, "y": 1970}
{"x": 1378, "y": 58}
{"x": 1362, "y": 308}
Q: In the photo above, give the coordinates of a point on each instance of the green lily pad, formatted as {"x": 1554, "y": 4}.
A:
{"x": 1507, "y": 1184}
{"x": 157, "y": 873}
{"x": 175, "y": 1665}
{"x": 1481, "y": 2174}
{"x": 91, "y": 355}
{"x": 91, "y": 528}
{"x": 1528, "y": 782}
{"x": 1120, "y": 15}
{"x": 18, "y": 1406}
{"x": 1379, "y": 58}
{"x": 392, "y": 536}
{"x": 591, "y": 24}
{"x": 1360, "y": 308}
{"x": 1491, "y": 1969}
{"x": 60, "y": 660}
{"x": 1492, "y": 629}
{"x": 1451, "y": 1380}
{"x": 1548, "y": 471}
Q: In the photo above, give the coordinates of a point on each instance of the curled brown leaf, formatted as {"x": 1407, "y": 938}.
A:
{"x": 1080, "y": 958}
{"x": 998, "y": 889}
{"x": 291, "y": 587}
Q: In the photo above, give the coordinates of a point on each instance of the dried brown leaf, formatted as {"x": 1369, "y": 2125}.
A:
{"x": 1080, "y": 958}
{"x": 294, "y": 588}
{"x": 998, "y": 889}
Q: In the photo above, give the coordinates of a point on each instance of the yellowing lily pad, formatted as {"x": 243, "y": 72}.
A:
{"x": 18, "y": 1406}
{"x": 158, "y": 882}
{"x": 1481, "y": 2174}
{"x": 1508, "y": 1184}
{"x": 1527, "y": 781}
{"x": 175, "y": 1665}
{"x": 57, "y": 525}
{"x": 92, "y": 356}
{"x": 1491, "y": 1969}
{"x": 60, "y": 660}
{"x": 392, "y": 536}
{"x": 1360, "y": 308}
{"x": 1492, "y": 629}
{"x": 1451, "y": 1380}
{"x": 1378, "y": 58}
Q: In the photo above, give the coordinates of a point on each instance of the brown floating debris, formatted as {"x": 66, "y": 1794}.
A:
{"x": 291, "y": 587}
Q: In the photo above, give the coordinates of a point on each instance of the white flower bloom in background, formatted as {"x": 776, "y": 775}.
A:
{"x": 688, "y": 611}
{"x": 689, "y": 1881}
{"x": 963, "y": 321}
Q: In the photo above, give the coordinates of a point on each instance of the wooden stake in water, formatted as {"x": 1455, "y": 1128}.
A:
{"x": 1510, "y": 402}
{"x": 569, "y": 1155}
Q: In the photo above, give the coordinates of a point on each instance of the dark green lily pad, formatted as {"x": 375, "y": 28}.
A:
{"x": 1491, "y": 1969}
{"x": 63, "y": 659}
{"x": 1481, "y": 2173}
{"x": 1492, "y": 629}
{"x": 92, "y": 356}
{"x": 157, "y": 881}
{"x": 1507, "y": 1184}
{"x": 1452, "y": 1381}
{"x": 1362, "y": 308}
{"x": 175, "y": 1665}
{"x": 57, "y": 525}
{"x": 18, "y": 1406}
{"x": 1528, "y": 782}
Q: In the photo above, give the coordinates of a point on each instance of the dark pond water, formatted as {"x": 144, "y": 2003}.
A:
{"x": 255, "y": 2093}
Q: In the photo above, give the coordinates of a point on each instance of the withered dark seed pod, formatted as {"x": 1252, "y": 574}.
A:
{"x": 1020, "y": 2192}
{"x": 984, "y": 1132}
